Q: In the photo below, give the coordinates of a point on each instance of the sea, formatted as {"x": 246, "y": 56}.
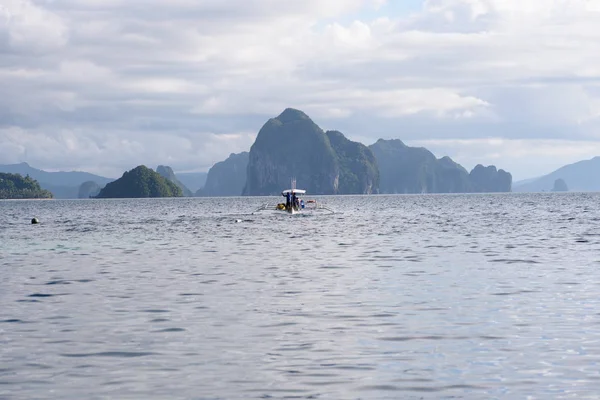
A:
{"x": 479, "y": 296}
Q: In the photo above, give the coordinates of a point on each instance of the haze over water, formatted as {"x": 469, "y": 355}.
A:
{"x": 425, "y": 296}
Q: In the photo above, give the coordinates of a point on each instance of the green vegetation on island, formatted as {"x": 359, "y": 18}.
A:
{"x": 167, "y": 173}
{"x": 15, "y": 186}
{"x": 140, "y": 182}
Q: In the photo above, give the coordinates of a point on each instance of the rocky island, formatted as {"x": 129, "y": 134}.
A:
{"x": 490, "y": 180}
{"x": 560, "y": 186}
{"x": 405, "y": 169}
{"x": 140, "y": 182}
{"x": 15, "y": 186}
{"x": 88, "y": 190}
{"x": 293, "y": 146}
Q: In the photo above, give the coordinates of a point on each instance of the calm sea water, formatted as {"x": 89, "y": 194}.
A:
{"x": 449, "y": 296}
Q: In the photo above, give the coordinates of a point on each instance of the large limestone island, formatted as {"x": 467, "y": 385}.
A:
{"x": 292, "y": 145}
{"x": 15, "y": 186}
{"x": 140, "y": 182}
{"x": 407, "y": 169}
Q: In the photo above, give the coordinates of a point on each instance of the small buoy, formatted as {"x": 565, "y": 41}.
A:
{"x": 35, "y": 221}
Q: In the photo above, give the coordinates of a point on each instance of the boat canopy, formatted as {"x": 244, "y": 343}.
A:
{"x": 297, "y": 191}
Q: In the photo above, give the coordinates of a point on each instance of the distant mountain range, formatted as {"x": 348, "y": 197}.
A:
{"x": 290, "y": 146}
{"x": 63, "y": 185}
{"x": 582, "y": 176}
{"x": 68, "y": 185}
{"x": 192, "y": 180}
{"x": 73, "y": 178}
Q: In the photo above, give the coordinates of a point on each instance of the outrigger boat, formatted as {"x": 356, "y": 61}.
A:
{"x": 293, "y": 204}
{"x": 296, "y": 204}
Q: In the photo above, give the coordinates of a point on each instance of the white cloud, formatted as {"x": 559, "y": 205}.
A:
{"x": 30, "y": 27}
{"x": 91, "y": 82}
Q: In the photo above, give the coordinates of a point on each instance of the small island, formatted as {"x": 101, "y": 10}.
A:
{"x": 140, "y": 182}
{"x": 88, "y": 189}
{"x": 15, "y": 186}
{"x": 560, "y": 186}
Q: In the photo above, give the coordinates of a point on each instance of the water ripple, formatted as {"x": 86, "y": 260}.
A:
{"x": 118, "y": 354}
{"x": 442, "y": 296}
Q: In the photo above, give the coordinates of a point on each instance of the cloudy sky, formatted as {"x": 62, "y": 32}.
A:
{"x": 105, "y": 85}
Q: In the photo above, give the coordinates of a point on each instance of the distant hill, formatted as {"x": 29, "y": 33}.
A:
{"x": 226, "y": 178}
{"x": 582, "y": 176}
{"x": 292, "y": 145}
{"x": 16, "y": 186}
{"x": 140, "y": 182}
{"x": 88, "y": 189}
{"x": 64, "y": 185}
{"x": 560, "y": 186}
{"x": 167, "y": 172}
{"x": 192, "y": 180}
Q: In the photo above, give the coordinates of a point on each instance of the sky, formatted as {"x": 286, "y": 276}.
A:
{"x": 105, "y": 85}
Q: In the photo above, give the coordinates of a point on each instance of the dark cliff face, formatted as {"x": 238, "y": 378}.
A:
{"x": 358, "y": 168}
{"x": 167, "y": 173}
{"x": 402, "y": 169}
{"x": 289, "y": 146}
{"x": 451, "y": 177}
{"x": 490, "y": 180}
{"x": 226, "y": 178}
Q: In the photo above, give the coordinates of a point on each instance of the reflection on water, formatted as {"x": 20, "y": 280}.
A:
{"x": 465, "y": 296}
